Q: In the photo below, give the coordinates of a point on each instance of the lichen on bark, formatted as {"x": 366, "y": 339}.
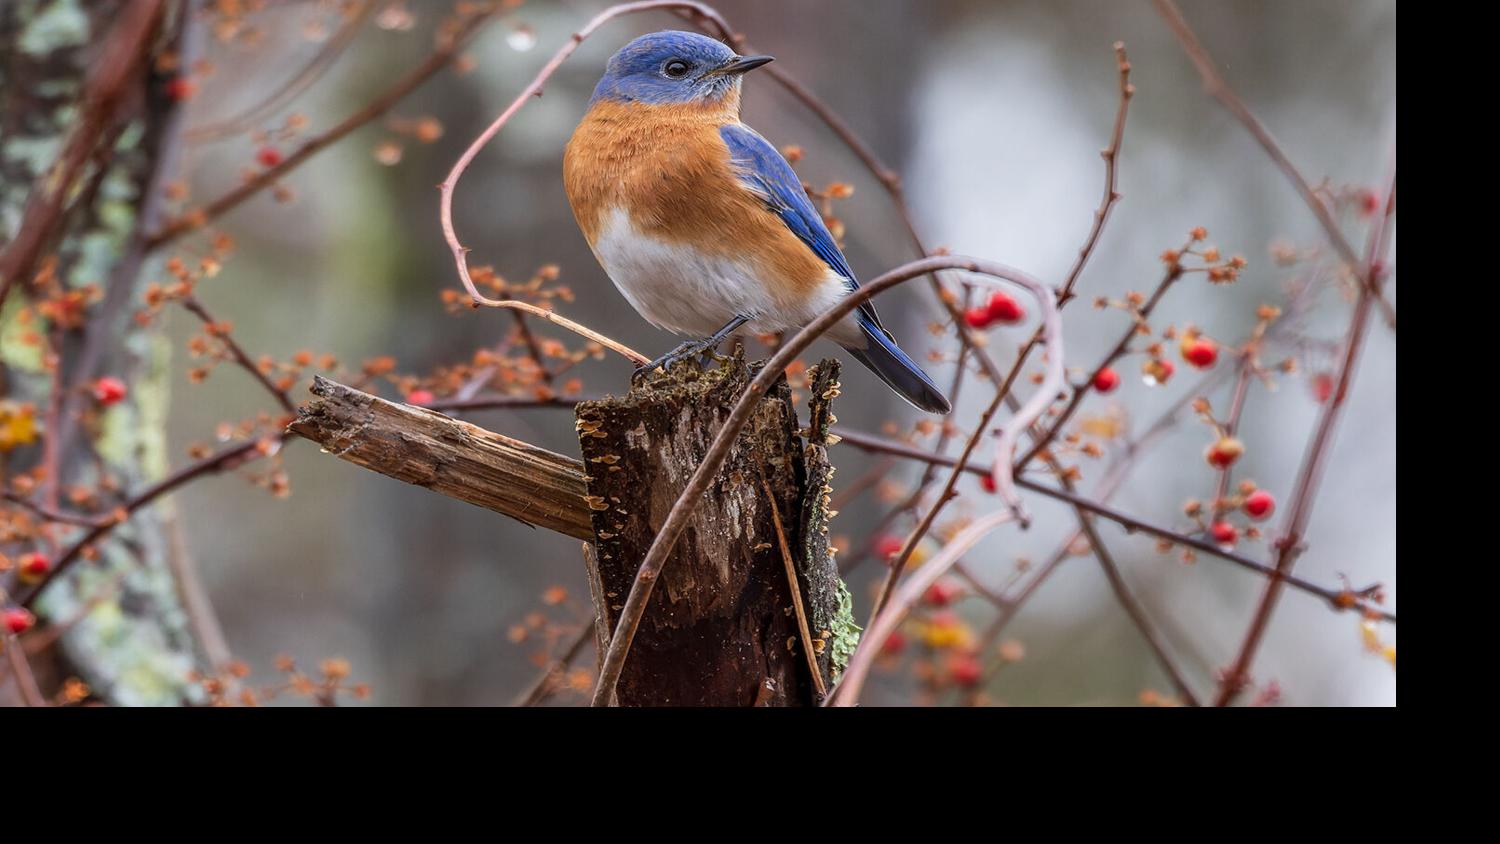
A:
{"x": 127, "y": 634}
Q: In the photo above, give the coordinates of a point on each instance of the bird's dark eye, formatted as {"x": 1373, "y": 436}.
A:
{"x": 676, "y": 68}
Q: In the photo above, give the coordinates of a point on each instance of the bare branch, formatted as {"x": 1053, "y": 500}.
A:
{"x": 1214, "y": 84}
{"x": 197, "y": 218}
{"x": 1289, "y": 544}
{"x": 847, "y": 693}
{"x": 1340, "y": 599}
{"x": 227, "y": 459}
{"x": 319, "y": 64}
{"x": 121, "y": 58}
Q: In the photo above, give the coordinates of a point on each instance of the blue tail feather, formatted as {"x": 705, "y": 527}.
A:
{"x": 884, "y": 358}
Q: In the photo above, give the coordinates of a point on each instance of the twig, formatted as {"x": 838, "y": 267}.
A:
{"x": 227, "y": 459}
{"x": 1216, "y": 87}
{"x": 1243, "y": 374}
{"x": 575, "y": 327}
{"x": 898, "y": 566}
{"x": 52, "y": 515}
{"x": 123, "y": 53}
{"x": 1290, "y": 545}
{"x": 1340, "y": 599}
{"x": 192, "y": 220}
{"x": 547, "y": 681}
{"x": 533, "y": 349}
{"x": 238, "y": 353}
{"x": 847, "y": 693}
{"x": 796, "y": 588}
{"x": 31, "y": 694}
{"x": 1137, "y": 614}
{"x": 310, "y": 73}
{"x": 1081, "y": 391}
{"x": 1111, "y": 156}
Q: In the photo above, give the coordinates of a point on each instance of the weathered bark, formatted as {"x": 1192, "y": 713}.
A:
{"x": 84, "y": 120}
{"x": 448, "y": 456}
{"x": 722, "y": 629}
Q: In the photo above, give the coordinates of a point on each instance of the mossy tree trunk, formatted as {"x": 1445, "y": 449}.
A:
{"x": 127, "y": 632}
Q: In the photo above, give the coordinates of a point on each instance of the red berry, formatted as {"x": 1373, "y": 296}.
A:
{"x": 1005, "y": 309}
{"x": 1260, "y": 504}
{"x": 33, "y": 566}
{"x": 965, "y": 670}
{"x": 1223, "y": 453}
{"x": 1201, "y": 353}
{"x": 988, "y": 482}
{"x": 942, "y": 593}
{"x": 1106, "y": 380}
{"x": 894, "y": 643}
{"x": 420, "y": 397}
{"x": 18, "y": 620}
{"x": 1369, "y": 202}
{"x": 977, "y": 317}
{"x": 108, "y": 391}
{"x": 268, "y": 156}
{"x": 181, "y": 88}
{"x": 1158, "y": 370}
{"x": 1224, "y": 533}
{"x": 1322, "y": 386}
{"x": 889, "y": 545}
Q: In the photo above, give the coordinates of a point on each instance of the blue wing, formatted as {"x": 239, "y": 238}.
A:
{"x": 766, "y": 174}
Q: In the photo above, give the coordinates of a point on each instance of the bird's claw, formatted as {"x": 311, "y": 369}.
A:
{"x": 686, "y": 351}
{"x": 641, "y": 373}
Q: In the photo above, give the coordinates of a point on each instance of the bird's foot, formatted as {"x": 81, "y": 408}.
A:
{"x": 686, "y": 351}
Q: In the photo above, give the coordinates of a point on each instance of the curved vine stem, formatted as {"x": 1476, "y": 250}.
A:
{"x": 460, "y": 252}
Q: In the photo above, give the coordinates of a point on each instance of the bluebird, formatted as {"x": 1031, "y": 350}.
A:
{"x": 700, "y": 222}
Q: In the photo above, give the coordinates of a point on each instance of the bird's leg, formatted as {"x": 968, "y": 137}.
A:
{"x": 691, "y": 348}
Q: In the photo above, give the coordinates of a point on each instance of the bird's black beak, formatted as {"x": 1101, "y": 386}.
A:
{"x": 739, "y": 65}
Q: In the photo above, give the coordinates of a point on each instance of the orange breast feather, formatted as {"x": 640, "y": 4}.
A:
{"x": 669, "y": 169}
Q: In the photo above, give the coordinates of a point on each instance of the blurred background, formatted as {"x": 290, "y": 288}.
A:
{"x": 994, "y": 113}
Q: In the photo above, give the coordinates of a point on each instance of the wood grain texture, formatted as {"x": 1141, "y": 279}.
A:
{"x": 448, "y": 456}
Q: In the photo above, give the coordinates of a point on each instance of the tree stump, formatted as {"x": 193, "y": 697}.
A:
{"x": 722, "y": 627}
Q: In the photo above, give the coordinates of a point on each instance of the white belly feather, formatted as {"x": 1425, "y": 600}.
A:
{"x": 685, "y": 291}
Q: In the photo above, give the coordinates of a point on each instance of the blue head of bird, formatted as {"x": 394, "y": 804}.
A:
{"x": 674, "y": 68}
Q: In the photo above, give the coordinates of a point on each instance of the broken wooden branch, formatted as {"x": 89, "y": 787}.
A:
{"x": 448, "y": 456}
{"x": 725, "y": 629}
